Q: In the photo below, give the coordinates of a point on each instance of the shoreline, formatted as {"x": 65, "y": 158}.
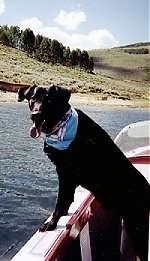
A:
{"x": 78, "y": 99}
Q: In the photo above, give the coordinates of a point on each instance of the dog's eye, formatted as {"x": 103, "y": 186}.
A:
{"x": 32, "y": 98}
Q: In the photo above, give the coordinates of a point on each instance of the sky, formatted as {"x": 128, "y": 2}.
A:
{"x": 83, "y": 24}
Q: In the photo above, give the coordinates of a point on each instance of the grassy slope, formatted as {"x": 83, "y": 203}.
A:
{"x": 17, "y": 67}
{"x": 117, "y": 63}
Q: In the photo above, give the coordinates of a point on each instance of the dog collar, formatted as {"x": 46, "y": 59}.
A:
{"x": 64, "y": 132}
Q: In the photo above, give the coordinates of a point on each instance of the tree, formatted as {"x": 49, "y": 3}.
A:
{"x": 4, "y": 37}
{"x": 14, "y": 36}
{"x": 56, "y": 51}
{"x": 78, "y": 54}
{"x": 60, "y": 53}
{"x": 38, "y": 40}
{"x": 91, "y": 65}
{"x": 74, "y": 58}
{"x": 45, "y": 50}
{"x": 28, "y": 40}
{"x": 66, "y": 56}
{"x": 84, "y": 60}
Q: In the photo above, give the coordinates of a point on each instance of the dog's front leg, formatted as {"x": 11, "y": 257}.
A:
{"x": 65, "y": 198}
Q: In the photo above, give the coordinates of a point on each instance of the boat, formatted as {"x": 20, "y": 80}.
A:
{"x": 72, "y": 240}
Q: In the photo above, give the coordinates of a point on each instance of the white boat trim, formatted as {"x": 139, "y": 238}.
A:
{"x": 40, "y": 244}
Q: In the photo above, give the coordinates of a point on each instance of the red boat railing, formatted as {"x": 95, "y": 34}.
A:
{"x": 75, "y": 225}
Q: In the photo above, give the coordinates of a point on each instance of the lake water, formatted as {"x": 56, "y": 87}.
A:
{"x": 28, "y": 181}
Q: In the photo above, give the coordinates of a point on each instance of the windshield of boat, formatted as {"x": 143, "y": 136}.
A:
{"x": 135, "y": 136}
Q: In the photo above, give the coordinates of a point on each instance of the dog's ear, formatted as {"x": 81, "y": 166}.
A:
{"x": 58, "y": 94}
{"x": 24, "y": 93}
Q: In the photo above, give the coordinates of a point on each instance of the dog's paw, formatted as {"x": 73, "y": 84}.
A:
{"x": 48, "y": 226}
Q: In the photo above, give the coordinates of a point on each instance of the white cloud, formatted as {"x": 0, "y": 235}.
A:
{"x": 48, "y": 31}
{"x": 71, "y": 20}
{"x": 103, "y": 38}
{"x": 33, "y": 23}
{"x": 2, "y": 7}
{"x": 95, "y": 39}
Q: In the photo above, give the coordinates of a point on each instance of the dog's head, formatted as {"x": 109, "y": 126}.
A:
{"x": 47, "y": 106}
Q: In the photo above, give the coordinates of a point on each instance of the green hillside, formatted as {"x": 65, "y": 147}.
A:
{"x": 117, "y": 74}
{"x": 131, "y": 62}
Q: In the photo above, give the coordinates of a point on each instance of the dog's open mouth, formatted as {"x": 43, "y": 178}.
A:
{"x": 36, "y": 129}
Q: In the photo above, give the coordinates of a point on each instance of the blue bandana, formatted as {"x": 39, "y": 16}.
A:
{"x": 64, "y": 132}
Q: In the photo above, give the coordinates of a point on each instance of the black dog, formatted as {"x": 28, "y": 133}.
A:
{"x": 87, "y": 156}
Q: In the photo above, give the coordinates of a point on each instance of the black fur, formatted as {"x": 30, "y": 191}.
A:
{"x": 95, "y": 162}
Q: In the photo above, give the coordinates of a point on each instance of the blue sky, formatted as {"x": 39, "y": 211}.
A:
{"x": 83, "y": 24}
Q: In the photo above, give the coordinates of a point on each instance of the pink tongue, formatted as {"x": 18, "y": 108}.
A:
{"x": 34, "y": 132}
